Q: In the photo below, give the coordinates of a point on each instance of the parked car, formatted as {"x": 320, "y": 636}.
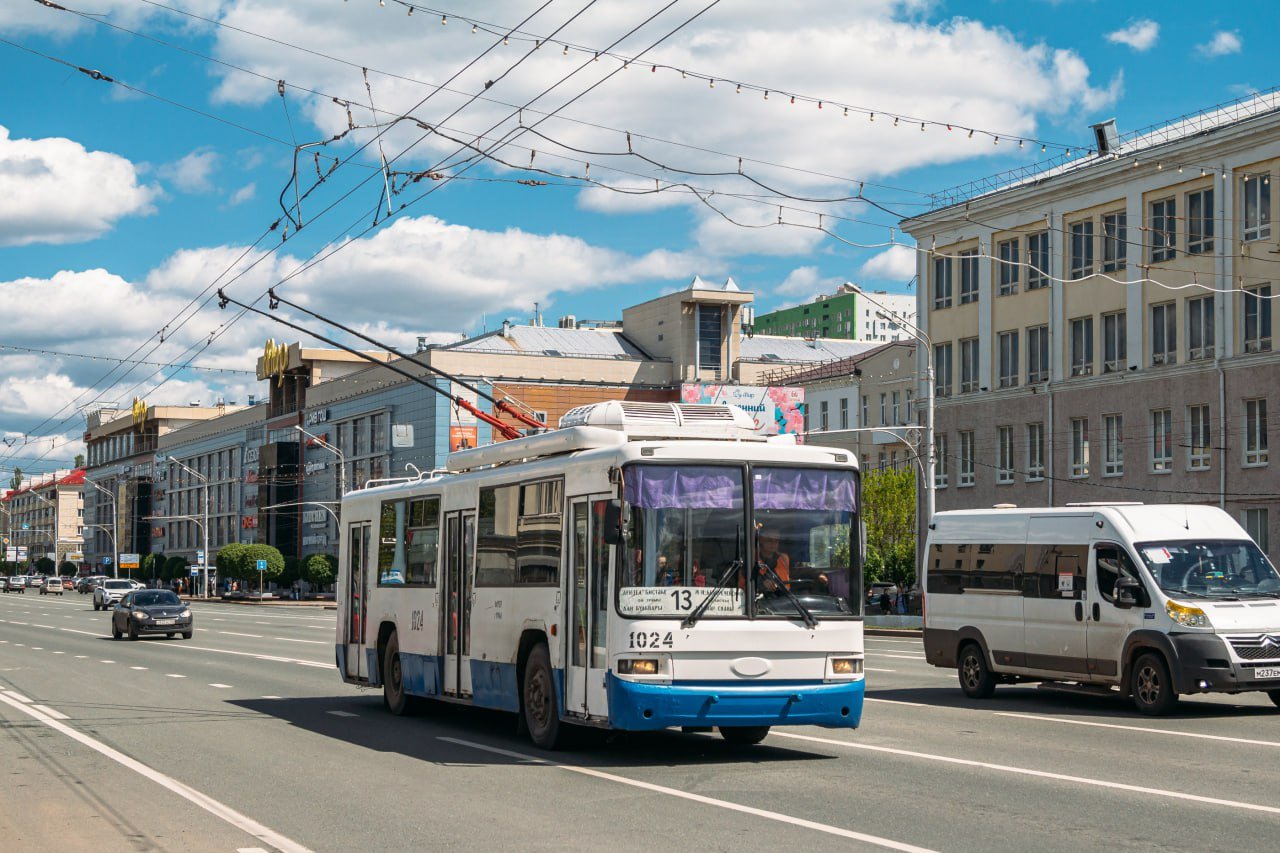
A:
{"x": 51, "y": 586}
{"x": 109, "y": 592}
{"x": 17, "y": 583}
{"x": 151, "y": 611}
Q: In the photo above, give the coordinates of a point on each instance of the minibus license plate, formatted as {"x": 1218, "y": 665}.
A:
{"x": 1270, "y": 672}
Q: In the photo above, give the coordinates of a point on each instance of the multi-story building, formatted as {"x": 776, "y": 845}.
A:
{"x": 850, "y": 312}
{"x": 45, "y": 518}
{"x": 1103, "y": 330}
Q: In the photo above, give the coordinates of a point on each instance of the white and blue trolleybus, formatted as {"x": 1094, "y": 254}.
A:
{"x": 647, "y": 565}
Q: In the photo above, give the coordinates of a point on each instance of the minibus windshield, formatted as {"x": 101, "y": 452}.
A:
{"x": 1211, "y": 569}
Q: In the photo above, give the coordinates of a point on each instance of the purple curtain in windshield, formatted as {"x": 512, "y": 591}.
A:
{"x": 804, "y": 488}
{"x": 684, "y": 487}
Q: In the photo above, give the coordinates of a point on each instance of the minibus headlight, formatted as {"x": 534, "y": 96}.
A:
{"x": 637, "y": 666}
{"x": 1186, "y": 615}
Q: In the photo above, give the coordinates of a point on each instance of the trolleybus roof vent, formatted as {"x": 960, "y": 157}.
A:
{"x": 665, "y": 420}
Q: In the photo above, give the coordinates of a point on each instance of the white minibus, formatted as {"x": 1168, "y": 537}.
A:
{"x": 1152, "y": 601}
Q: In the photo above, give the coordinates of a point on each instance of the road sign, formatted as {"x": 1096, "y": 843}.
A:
{"x": 106, "y": 561}
{"x": 129, "y": 561}
{"x": 200, "y": 556}
{"x": 75, "y": 557}
{"x": 194, "y": 571}
{"x": 262, "y": 565}
{"x": 26, "y": 526}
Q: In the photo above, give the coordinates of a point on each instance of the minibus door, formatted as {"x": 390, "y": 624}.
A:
{"x": 1054, "y": 616}
{"x": 357, "y": 595}
{"x": 587, "y": 603}
{"x": 1107, "y": 624}
{"x": 456, "y": 592}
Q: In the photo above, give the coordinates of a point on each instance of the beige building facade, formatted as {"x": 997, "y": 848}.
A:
{"x": 45, "y": 518}
{"x": 1104, "y": 331}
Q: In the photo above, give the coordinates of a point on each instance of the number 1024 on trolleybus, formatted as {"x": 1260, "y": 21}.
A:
{"x": 644, "y": 566}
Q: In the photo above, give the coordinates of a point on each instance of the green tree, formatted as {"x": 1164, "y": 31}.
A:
{"x": 320, "y": 569}
{"x": 292, "y": 571}
{"x": 68, "y": 568}
{"x": 176, "y": 567}
{"x": 153, "y": 566}
{"x": 15, "y": 482}
{"x": 230, "y": 561}
{"x": 45, "y": 566}
{"x": 273, "y": 557}
{"x": 79, "y": 463}
{"x": 889, "y": 510}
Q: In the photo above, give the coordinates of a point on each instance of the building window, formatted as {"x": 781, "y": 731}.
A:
{"x": 1161, "y": 441}
{"x": 1079, "y": 447}
{"x": 1256, "y": 524}
{"x": 1080, "y": 261}
{"x": 1037, "y": 260}
{"x": 1009, "y": 370}
{"x": 1257, "y": 207}
{"x": 1163, "y": 227}
{"x": 1007, "y": 252}
{"x": 1257, "y": 318}
{"x": 941, "y": 283}
{"x": 1004, "y": 462}
{"x": 940, "y": 461}
{"x": 710, "y": 340}
{"x": 968, "y": 276}
{"x": 844, "y": 413}
{"x": 1114, "y": 349}
{"x": 1115, "y": 241}
{"x": 1198, "y": 438}
{"x": 969, "y": 366}
{"x": 1255, "y": 432}
{"x": 822, "y": 416}
{"x": 942, "y": 370}
{"x": 1200, "y": 328}
{"x": 866, "y": 416}
{"x": 884, "y": 409}
{"x": 1164, "y": 333}
{"x": 1112, "y": 445}
{"x": 1082, "y": 346}
{"x": 1037, "y": 354}
{"x": 966, "y": 459}
{"x": 897, "y": 412}
{"x": 1200, "y": 222}
{"x": 1035, "y": 451}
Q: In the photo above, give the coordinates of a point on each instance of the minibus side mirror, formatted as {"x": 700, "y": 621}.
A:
{"x": 613, "y": 522}
{"x": 1126, "y": 593}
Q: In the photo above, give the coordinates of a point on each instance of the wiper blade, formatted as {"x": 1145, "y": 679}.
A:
{"x": 1188, "y": 592}
{"x": 693, "y": 617}
{"x": 809, "y": 621}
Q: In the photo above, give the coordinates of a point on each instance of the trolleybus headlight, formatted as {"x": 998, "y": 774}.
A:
{"x": 846, "y": 666}
{"x": 637, "y": 666}
{"x": 1185, "y": 614}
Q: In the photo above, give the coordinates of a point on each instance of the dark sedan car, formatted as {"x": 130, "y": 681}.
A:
{"x": 151, "y": 611}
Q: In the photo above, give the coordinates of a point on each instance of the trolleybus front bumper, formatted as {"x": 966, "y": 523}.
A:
{"x": 641, "y": 706}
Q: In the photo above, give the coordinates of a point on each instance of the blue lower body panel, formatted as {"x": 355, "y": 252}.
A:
{"x": 493, "y": 685}
{"x": 420, "y": 674}
{"x": 637, "y": 706}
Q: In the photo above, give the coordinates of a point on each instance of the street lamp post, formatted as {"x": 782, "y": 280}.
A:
{"x": 204, "y": 528}
{"x": 931, "y": 456}
{"x": 115, "y": 532}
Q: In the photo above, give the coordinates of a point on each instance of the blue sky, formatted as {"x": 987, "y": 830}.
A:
{"x": 116, "y": 208}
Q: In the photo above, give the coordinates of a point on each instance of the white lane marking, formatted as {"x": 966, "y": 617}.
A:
{"x": 697, "y": 798}
{"x": 4, "y": 642}
{"x": 106, "y": 661}
{"x": 342, "y": 713}
{"x": 873, "y": 669}
{"x": 270, "y": 697}
{"x": 221, "y": 686}
{"x": 50, "y": 627}
{"x": 81, "y": 657}
{"x": 19, "y": 644}
{"x": 173, "y": 675}
{"x": 894, "y": 702}
{"x": 204, "y": 801}
{"x": 57, "y": 715}
{"x": 15, "y": 622}
{"x": 37, "y": 648}
{"x": 236, "y": 634}
{"x": 250, "y": 850}
{"x": 291, "y": 640}
{"x": 1146, "y": 729}
{"x": 59, "y": 653}
{"x": 898, "y": 657}
{"x": 137, "y": 667}
{"x": 16, "y": 695}
{"x": 1040, "y": 774}
{"x": 215, "y": 619}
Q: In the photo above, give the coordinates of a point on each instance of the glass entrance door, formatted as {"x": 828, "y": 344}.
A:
{"x": 587, "y": 601}
{"x": 357, "y": 599}
{"x": 458, "y": 597}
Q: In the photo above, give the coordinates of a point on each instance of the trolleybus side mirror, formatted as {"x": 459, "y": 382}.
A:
{"x": 613, "y": 522}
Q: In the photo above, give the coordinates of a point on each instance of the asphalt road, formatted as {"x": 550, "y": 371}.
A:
{"x": 245, "y": 738}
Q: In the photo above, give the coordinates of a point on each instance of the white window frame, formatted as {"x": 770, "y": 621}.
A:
{"x": 968, "y": 276}
{"x": 1257, "y": 226}
{"x": 1080, "y": 249}
{"x": 1112, "y": 445}
{"x": 1038, "y": 260}
{"x": 969, "y": 361}
{"x": 966, "y": 477}
{"x": 1115, "y": 348}
{"x": 1201, "y": 324}
{"x": 942, "y": 283}
{"x": 1007, "y": 267}
{"x": 1004, "y": 458}
{"x": 1256, "y": 311}
{"x": 1164, "y": 327}
{"x": 844, "y": 413}
{"x": 1010, "y": 366}
{"x": 1161, "y": 441}
{"x": 1255, "y": 521}
{"x": 1200, "y": 221}
{"x": 940, "y": 461}
{"x": 1078, "y": 452}
{"x": 943, "y": 369}
{"x": 1081, "y": 342}
{"x": 1255, "y": 433}
{"x": 1163, "y": 228}
{"x": 1035, "y": 452}
{"x": 822, "y": 416}
{"x": 1037, "y": 354}
{"x": 1115, "y": 245}
{"x": 1199, "y": 438}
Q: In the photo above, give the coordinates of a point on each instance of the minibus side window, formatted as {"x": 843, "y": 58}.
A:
{"x": 1111, "y": 563}
{"x": 947, "y": 567}
{"x": 1059, "y": 570}
{"x": 996, "y": 567}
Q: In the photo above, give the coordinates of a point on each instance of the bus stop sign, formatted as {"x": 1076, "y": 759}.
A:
{"x": 262, "y": 565}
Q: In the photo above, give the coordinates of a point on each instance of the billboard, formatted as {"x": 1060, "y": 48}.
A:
{"x": 776, "y": 410}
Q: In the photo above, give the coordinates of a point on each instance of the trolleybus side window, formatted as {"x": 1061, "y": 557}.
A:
{"x": 408, "y": 542}
{"x": 496, "y": 536}
{"x": 538, "y": 531}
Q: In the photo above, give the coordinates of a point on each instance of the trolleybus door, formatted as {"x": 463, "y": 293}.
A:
{"x": 357, "y": 599}
{"x": 459, "y": 537}
{"x": 587, "y": 603}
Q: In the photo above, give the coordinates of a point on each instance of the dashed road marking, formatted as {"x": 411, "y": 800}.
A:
{"x": 291, "y": 640}
{"x": 237, "y": 634}
{"x": 1143, "y": 729}
{"x": 221, "y": 686}
{"x": 173, "y": 675}
{"x": 137, "y": 667}
{"x": 342, "y": 713}
{"x": 106, "y": 661}
{"x": 873, "y": 669}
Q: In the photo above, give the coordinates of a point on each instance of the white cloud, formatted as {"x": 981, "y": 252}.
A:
{"x": 1141, "y": 35}
{"x": 897, "y": 263}
{"x": 806, "y": 282}
{"x": 192, "y": 173}
{"x": 1224, "y": 42}
{"x": 245, "y": 193}
{"x": 54, "y": 191}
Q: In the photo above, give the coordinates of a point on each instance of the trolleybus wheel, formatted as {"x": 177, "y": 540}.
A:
{"x": 976, "y": 679}
{"x": 393, "y": 695}
{"x": 1152, "y": 688}
{"x": 541, "y": 716}
{"x": 744, "y": 735}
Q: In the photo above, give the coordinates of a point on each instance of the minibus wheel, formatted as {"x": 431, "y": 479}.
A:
{"x": 976, "y": 679}
{"x": 1151, "y": 687}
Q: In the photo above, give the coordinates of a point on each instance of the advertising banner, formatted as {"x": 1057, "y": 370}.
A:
{"x": 776, "y": 410}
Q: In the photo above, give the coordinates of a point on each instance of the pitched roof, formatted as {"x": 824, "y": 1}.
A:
{"x": 553, "y": 341}
{"x": 75, "y": 478}
{"x": 776, "y": 349}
